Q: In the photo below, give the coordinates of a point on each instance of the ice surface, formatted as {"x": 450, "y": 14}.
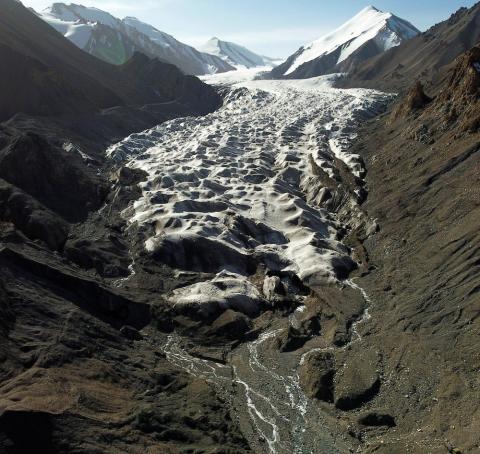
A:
{"x": 370, "y": 23}
{"x": 233, "y": 77}
{"x": 226, "y": 192}
{"x": 224, "y": 291}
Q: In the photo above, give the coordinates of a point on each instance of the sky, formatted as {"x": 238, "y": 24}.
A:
{"x": 275, "y": 28}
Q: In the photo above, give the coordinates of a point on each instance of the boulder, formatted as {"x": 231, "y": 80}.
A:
{"x": 316, "y": 376}
{"x": 231, "y": 324}
{"x": 272, "y": 287}
{"x": 296, "y": 336}
{"x": 357, "y": 382}
{"x": 377, "y": 419}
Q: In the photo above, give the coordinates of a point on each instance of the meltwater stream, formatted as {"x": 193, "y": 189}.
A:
{"x": 228, "y": 189}
{"x": 266, "y": 387}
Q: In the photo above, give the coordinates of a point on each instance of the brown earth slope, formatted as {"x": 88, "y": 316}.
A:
{"x": 423, "y": 181}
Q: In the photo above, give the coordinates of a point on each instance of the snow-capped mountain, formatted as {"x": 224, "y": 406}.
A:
{"x": 236, "y": 55}
{"x": 368, "y": 33}
{"x": 115, "y": 40}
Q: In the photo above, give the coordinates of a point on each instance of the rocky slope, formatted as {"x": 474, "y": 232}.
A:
{"x": 369, "y": 33}
{"x": 422, "y": 160}
{"x": 425, "y": 57}
{"x": 115, "y": 41}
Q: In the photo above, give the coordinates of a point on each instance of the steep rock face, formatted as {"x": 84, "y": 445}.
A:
{"x": 415, "y": 100}
{"x": 464, "y": 82}
{"x": 30, "y": 82}
{"x": 31, "y": 218}
{"x": 424, "y": 58}
{"x": 57, "y": 179}
{"x": 369, "y": 33}
{"x": 422, "y": 181}
{"x": 115, "y": 41}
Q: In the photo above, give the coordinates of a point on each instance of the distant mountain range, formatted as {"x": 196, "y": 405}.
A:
{"x": 367, "y": 34}
{"x": 236, "y": 55}
{"x": 43, "y": 66}
{"x": 115, "y": 41}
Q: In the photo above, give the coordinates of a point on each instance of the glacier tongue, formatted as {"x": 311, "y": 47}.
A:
{"x": 226, "y": 192}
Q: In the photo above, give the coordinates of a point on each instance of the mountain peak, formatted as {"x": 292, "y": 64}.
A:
{"x": 369, "y": 25}
{"x": 73, "y": 12}
{"x": 236, "y": 55}
{"x": 370, "y": 13}
{"x": 213, "y": 42}
{"x": 370, "y": 8}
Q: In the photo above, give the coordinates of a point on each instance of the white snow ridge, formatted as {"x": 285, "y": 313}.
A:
{"x": 226, "y": 192}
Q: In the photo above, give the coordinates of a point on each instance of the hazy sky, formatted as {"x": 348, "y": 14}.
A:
{"x": 275, "y": 28}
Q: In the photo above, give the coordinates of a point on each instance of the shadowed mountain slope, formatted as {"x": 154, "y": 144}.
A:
{"x": 45, "y": 74}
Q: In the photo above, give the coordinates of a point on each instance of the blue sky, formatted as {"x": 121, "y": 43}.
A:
{"x": 275, "y": 28}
